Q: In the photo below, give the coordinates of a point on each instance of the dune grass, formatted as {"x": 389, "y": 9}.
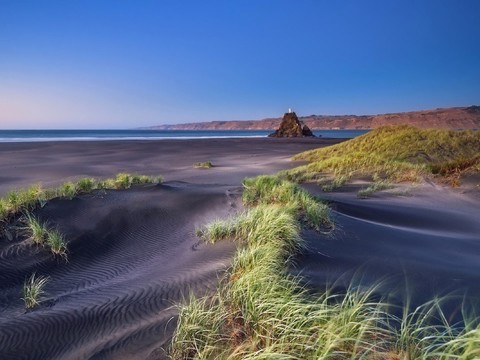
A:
{"x": 15, "y": 202}
{"x": 203, "y": 165}
{"x": 33, "y": 290}
{"x": 260, "y": 311}
{"x": 125, "y": 181}
{"x": 67, "y": 190}
{"x": 86, "y": 185}
{"x": 41, "y": 234}
{"x": 393, "y": 153}
{"x": 36, "y": 231}
{"x": 268, "y": 189}
{"x": 23, "y": 202}
{"x": 373, "y": 188}
{"x": 57, "y": 243}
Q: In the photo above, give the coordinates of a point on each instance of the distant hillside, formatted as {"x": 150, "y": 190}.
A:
{"x": 449, "y": 118}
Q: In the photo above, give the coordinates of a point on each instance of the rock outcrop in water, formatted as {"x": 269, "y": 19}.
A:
{"x": 291, "y": 127}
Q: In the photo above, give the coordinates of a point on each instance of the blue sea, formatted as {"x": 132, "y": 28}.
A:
{"x": 100, "y": 135}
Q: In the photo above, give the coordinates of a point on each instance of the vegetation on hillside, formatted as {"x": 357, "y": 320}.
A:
{"x": 392, "y": 153}
{"x": 261, "y": 312}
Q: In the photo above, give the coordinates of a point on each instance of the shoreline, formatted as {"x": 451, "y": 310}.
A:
{"x": 16, "y": 136}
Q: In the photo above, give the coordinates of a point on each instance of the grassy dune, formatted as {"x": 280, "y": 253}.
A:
{"x": 16, "y": 219}
{"x": 18, "y": 205}
{"x": 393, "y": 153}
{"x": 26, "y": 200}
{"x": 261, "y": 312}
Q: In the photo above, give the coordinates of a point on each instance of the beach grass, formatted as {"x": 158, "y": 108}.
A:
{"x": 41, "y": 234}
{"x": 56, "y": 242}
{"x": 28, "y": 199}
{"x": 393, "y": 153}
{"x": 36, "y": 230}
{"x": 86, "y": 185}
{"x": 259, "y": 311}
{"x": 270, "y": 189}
{"x": 4, "y": 208}
{"x": 125, "y": 181}
{"x": 373, "y": 188}
{"x": 203, "y": 165}
{"x": 67, "y": 190}
{"x": 33, "y": 290}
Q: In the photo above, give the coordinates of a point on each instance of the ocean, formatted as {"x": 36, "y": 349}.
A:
{"x": 101, "y": 135}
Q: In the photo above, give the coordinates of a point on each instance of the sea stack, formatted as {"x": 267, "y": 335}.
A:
{"x": 291, "y": 127}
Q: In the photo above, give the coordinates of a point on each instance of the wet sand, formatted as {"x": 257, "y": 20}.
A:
{"x": 133, "y": 255}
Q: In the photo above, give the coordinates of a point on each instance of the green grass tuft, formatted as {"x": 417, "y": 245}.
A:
{"x": 67, "y": 190}
{"x": 123, "y": 181}
{"x": 203, "y": 165}
{"x": 86, "y": 185}
{"x": 37, "y": 231}
{"x": 13, "y": 201}
{"x": 273, "y": 190}
{"x": 373, "y": 188}
{"x": 57, "y": 243}
{"x": 33, "y": 290}
{"x": 140, "y": 179}
{"x": 4, "y": 209}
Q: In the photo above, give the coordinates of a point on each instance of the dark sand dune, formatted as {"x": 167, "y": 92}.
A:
{"x": 132, "y": 256}
{"x": 423, "y": 245}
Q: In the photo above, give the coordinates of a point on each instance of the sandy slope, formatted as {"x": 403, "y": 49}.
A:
{"x": 423, "y": 245}
{"x": 132, "y": 256}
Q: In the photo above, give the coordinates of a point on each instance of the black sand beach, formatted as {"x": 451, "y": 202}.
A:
{"x": 133, "y": 254}
{"x": 51, "y": 163}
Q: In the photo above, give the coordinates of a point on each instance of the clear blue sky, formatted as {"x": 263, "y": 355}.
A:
{"x": 124, "y": 64}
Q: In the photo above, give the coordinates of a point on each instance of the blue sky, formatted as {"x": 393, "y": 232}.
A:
{"x": 124, "y": 64}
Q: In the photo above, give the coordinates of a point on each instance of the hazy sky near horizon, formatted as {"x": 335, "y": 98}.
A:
{"x": 125, "y": 64}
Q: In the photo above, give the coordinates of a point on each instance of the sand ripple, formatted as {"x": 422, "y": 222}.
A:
{"x": 421, "y": 246}
{"x": 132, "y": 256}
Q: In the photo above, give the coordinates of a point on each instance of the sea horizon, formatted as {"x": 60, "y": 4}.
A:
{"x": 139, "y": 134}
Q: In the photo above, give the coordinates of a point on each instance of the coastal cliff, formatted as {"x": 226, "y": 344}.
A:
{"x": 448, "y": 118}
